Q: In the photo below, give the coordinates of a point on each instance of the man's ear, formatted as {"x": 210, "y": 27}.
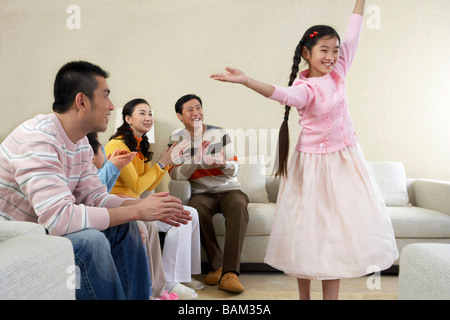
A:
{"x": 180, "y": 116}
{"x": 81, "y": 101}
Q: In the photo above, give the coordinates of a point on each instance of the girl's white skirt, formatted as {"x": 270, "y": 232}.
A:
{"x": 330, "y": 220}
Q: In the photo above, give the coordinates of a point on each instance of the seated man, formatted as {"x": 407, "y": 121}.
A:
{"x": 212, "y": 169}
{"x": 48, "y": 177}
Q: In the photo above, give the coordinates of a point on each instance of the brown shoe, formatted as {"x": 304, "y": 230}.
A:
{"x": 212, "y": 278}
{"x": 230, "y": 282}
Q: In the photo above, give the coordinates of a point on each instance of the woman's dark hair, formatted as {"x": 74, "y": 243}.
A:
{"x": 72, "y": 78}
{"x": 183, "y": 100}
{"x": 308, "y": 42}
{"x": 125, "y": 133}
{"x": 93, "y": 141}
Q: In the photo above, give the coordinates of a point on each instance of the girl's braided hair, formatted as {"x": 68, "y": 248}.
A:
{"x": 309, "y": 40}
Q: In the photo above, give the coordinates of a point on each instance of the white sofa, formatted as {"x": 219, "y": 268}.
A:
{"x": 33, "y": 265}
{"x": 419, "y": 208}
{"x": 424, "y": 272}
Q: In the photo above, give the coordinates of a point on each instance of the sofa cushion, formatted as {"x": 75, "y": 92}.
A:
{"x": 252, "y": 177}
{"x": 391, "y": 179}
{"x": 415, "y": 222}
{"x": 260, "y": 217}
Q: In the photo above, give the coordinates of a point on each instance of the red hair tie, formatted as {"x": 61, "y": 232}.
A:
{"x": 312, "y": 35}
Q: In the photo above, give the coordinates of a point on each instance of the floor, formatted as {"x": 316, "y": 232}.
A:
{"x": 278, "y": 286}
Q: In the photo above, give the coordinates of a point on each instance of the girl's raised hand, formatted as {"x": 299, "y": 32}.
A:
{"x": 232, "y": 75}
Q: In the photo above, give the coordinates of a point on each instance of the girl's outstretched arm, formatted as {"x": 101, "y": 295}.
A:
{"x": 359, "y": 7}
{"x": 237, "y": 76}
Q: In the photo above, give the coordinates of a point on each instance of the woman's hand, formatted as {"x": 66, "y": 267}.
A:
{"x": 178, "y": 151}
{"x": 174, "y": 153}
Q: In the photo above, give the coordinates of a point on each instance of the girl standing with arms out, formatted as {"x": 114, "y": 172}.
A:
{"x": 330, "y": 221}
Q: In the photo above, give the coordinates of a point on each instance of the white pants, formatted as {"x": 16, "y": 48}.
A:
{"x": 181, "y": 253}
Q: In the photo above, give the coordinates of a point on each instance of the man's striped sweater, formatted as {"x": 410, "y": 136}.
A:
{"x": 203, "y": 177}
{"x": 46, "y": 178}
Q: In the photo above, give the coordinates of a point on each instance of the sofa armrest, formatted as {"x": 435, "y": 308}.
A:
{"x": 12, "y": 229}
{"x": 432, "y": 194}
{"x": 180, "y": 189}
{"x": 37, "y": 267}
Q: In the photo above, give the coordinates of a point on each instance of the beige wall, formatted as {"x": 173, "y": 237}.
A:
{"x": 398, "y": 86}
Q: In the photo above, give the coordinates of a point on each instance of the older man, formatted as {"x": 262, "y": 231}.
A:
{"x": 212, "y": 169}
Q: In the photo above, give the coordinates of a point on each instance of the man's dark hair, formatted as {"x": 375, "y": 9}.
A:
{"x": 72, "y": 78}
{"x": 183, "y": 100}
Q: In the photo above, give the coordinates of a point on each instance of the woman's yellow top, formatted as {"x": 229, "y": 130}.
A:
{"x": 137, "y": 176}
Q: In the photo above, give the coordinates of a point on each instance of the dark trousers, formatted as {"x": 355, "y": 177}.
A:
{"x": 233, "y": 205}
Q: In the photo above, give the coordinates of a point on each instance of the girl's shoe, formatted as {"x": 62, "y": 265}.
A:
{"x": 183, "y": 292}
{"x": 168, "y": 296}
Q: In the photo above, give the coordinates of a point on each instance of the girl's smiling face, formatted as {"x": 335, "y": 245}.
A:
{"x": 323, "y": 56}
{"x": 141, "y": 120}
